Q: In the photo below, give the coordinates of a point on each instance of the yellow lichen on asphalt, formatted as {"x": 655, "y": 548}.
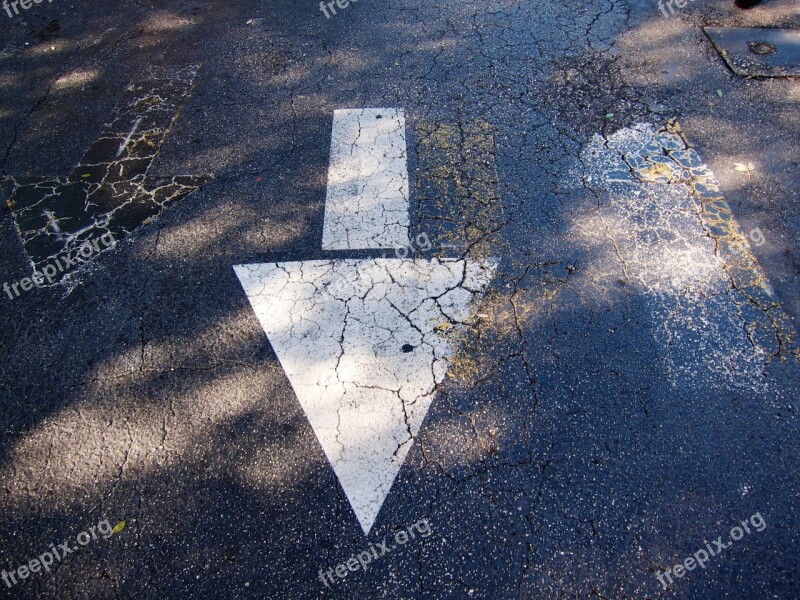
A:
{"x": 460, "y": 208}
{"x": 458, "y": 186}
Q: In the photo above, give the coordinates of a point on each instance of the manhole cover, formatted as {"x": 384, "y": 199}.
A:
{"x": 758, "y": 52}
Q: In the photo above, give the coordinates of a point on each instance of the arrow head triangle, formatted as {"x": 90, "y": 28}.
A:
{"x": 364, "y": 344}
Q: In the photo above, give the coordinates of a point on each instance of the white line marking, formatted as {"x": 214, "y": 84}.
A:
{"x": 362, "y": 344}
{"x": 367, "y": 202}
{"x": 130, "y": 135}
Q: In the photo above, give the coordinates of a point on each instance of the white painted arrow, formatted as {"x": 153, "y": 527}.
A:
{"x": 365, "y": 342}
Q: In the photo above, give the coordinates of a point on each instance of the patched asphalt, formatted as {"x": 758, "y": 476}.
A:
{"x": 625, "y": 393}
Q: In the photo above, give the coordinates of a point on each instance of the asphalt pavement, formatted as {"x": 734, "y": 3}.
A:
{"x": 399, "y": 299}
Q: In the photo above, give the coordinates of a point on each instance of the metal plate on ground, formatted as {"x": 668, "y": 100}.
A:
{"x": 757, "y": 52}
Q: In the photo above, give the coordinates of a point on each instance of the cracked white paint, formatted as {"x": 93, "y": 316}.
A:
{"x": 364, "y": 347}
{"x": 668, "y": 258}
{"x": 367, "y": 200}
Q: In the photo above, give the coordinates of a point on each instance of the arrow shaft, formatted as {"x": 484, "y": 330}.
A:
{"x": 367, "y": 203}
